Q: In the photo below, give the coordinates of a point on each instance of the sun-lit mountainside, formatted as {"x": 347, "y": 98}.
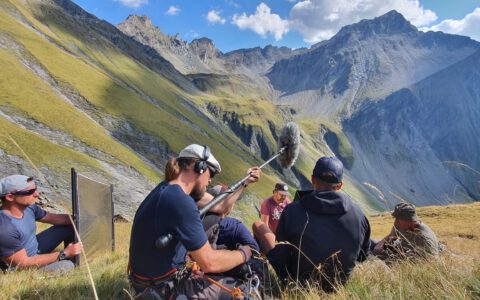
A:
{"x": 76, "y": 92}
{"x": 117, "y": 102}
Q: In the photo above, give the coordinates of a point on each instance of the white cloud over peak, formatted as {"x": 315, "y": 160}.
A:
{"x": 469, "y": 26}
{"x": 173, "y": 11}
{"x": 263, "y": 22}
{"x": 318, "y": 20}
{"x": 232, "y": 3}
{"x": 213, "y": 17}
{"x": 133, "y": 3}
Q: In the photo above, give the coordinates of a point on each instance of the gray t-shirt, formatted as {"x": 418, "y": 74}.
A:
{"x": 419, "y": 242}
{"x": 16, "y": 234}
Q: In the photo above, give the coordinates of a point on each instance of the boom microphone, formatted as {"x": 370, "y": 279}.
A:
{"x": 289, "y": 147}
{"x": 289, "y": 138}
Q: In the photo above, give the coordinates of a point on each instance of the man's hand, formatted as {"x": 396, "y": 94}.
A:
{"x": 379, "y": 247}
{"x": 73, "y": 249}
{"x": 254, "y": 175}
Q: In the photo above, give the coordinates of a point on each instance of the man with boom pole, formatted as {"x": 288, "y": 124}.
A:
{"x": 167, "y": 226}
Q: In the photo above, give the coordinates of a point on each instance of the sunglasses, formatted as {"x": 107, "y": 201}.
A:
{"x": 212, "y": 172}
{"x": 25, "y": 193}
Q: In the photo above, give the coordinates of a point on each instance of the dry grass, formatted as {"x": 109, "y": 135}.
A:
{"x": 455, "y": 275}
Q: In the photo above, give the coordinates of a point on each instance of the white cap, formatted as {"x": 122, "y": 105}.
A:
{"x": 12, "y": 184}
{"x": 202, "y": 153}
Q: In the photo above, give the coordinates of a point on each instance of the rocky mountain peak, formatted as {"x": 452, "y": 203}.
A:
{"x": 140, "y": 21}
{"x": 204, "y": 48}
{"x": 136, "y": 24}
{"x": 203, "y": 41}
{"x": 144, "y": 31}
{"x": 390, "y": 23}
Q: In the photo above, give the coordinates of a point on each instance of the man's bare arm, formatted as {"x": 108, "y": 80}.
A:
{"x": 56, "y": 219}
{"x": 225, "y": 206}
{"x": 217, "y": 261}
{"x": 20, "y": 258}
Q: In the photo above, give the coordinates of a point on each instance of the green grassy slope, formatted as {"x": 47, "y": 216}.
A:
{"x": 109, "y": 81}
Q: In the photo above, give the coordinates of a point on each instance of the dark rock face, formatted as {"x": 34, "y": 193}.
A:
{"x": 424, "y": 137}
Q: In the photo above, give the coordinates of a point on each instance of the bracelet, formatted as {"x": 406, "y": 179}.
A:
{"x": 244, "y": 254}
{"x": 61, "y": 255}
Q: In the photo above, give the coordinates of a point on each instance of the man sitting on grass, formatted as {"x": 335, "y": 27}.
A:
{"x": 19, "y": 246}
{"x": 321, "y": 236}
{"x": 409, "y": 237}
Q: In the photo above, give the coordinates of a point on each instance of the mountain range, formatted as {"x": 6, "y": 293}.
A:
{"x": 400, "y": 107}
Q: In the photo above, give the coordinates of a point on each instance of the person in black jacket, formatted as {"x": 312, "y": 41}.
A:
{"x": 321, "y": 236}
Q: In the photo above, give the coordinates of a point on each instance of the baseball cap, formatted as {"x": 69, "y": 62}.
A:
{"x": 13, "y": 183}
{"x": 328, "y": 169}
{"x": 202, "y": 153}
{"x": 405, "y": 211}
{"x": 282, "y": 188}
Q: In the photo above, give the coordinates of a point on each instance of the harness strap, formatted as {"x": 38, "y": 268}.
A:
{"x": 160, "y": 278}
{"x": 150, "y": 279}
{"x": 236, "y": 293}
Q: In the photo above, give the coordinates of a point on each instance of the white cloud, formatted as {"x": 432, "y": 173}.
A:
{"x": 232, "y": 3}
{"x": 133, "y": 3}
{"x": 213, "y": 17}
{"x": 173, "y": 11}
{"x": 317, "y": 20}
{"x": 469, "y": 26}
{"x": 263, "y": 22}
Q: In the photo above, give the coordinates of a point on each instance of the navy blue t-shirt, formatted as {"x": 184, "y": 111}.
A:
{"x": 233, "y": 232}
{"x": 167, "y": 209}
{"x": 16, "y": 234}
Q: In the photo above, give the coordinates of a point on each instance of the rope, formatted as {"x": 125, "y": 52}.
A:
{"x": 235, "y": 293}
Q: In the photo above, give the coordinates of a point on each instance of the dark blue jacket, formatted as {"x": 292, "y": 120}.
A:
{"x": 330, "y": 230}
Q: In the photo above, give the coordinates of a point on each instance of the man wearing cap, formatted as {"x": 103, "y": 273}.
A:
{"x": 409, "y": 237}
{"x": 272, "y": 207}
{"x": 170, "y": 209}
{"x": 19, "y": 246}
{"x": 321, "y": 236}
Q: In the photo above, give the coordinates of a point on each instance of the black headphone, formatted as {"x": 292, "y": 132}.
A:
{"x": 201, "y": 165}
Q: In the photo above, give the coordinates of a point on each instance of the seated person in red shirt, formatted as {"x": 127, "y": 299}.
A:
{"x": 273, "y": 206}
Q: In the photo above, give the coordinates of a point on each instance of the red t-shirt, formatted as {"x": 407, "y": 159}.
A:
{"x": 273, "y": 210}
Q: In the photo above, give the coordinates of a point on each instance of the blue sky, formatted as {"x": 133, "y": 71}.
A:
{"x": 236, "y": 24}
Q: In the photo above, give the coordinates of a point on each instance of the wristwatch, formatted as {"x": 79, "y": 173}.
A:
{"x": 62, "y": 255}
